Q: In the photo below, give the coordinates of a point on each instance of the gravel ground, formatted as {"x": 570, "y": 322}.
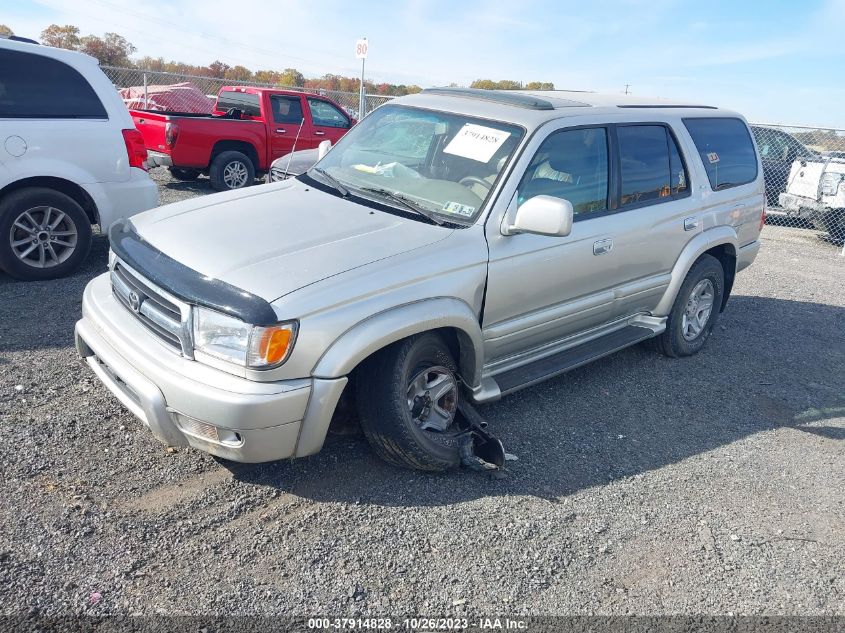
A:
{"x": 644, "y": 485}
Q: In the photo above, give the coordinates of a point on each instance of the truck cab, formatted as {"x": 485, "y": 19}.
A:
{"x": 248, "y": 129}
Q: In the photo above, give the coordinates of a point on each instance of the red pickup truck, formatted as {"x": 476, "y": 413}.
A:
{"x": 249, "y": 128}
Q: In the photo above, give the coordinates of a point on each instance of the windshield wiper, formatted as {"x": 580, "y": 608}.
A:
{"x": 404, "y": 201}
{"x": 332, "y": 181}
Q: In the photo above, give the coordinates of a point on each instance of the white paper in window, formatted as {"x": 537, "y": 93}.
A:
{"x": 476, "y": 142}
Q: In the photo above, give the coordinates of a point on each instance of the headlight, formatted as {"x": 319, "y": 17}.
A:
{"x": 830, "y": 183}
{"x": 232, "y": 340}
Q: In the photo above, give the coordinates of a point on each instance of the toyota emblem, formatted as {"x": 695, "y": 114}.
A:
{"x": 134, "y": 301}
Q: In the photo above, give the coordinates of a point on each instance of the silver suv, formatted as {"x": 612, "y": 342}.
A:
{"x": 456, "y": 244}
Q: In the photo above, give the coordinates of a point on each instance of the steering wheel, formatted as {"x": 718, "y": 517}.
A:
{"x": 469, "y": 181}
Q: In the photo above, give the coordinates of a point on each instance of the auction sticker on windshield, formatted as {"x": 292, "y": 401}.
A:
{"x": 476, "y": 142}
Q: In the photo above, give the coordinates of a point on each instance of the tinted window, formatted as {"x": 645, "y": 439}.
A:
{"x": 287, "y": 109}
{"x": 571, "y": 164}
{"x": 38, "y": 87}
{"x": 644, "y": 161}
{"x": 678, "y": 180}
{"x": 651, "y": 165}
{"x": 326, "y": 115}
{"x": 243, "y": 101}
{"x": 726, "y": 150}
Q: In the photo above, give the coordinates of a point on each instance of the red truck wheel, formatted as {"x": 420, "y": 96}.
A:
{"x": 231, "y": 170}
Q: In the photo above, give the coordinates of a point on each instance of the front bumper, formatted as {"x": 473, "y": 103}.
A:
{"x": 254, "y": 421}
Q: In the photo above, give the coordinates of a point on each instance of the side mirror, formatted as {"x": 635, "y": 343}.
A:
{"x": 543, "y": 215}
{"x": 323, "y": 149}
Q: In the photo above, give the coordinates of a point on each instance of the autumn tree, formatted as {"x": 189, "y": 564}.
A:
{"x": 539, "y": 85}
{"x": 111, "y": 50}
{"x": 218, "y": 69}
{"x": 291, "y": 77}
{"x": 484, "y": 84}
{"x": 238, "y": 73}
{"x": 267, "y": 77}
{"x": 66, "y": 36}
{"x": 510, "y": 84}
{"x": 156, "y": 64}
{"x": 5, "y": 30}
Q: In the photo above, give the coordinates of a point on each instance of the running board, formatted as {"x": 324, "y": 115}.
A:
{"x": 545, "y": 368}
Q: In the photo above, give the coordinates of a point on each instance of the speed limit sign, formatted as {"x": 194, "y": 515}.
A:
{"x": 361, "y": 49}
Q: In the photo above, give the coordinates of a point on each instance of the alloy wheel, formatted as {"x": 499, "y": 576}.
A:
{"x": 43, "y": 237}
{"x": 697, "y": 311}
{"x": 235, "y": 174}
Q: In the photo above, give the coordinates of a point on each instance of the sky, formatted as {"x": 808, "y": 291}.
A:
{"x": 774, "y": 61}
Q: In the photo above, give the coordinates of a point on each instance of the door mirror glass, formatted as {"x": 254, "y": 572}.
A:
{"x": 543, "y": 215}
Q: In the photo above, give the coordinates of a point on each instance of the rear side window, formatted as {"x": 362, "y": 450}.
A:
{"x": 38, "y": 87}
{"x": 244, "y": 101}
{"x": 650, "y": 165}
{"x": 726, "y": 150}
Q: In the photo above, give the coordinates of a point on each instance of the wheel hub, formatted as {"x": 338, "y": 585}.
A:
{"x": 433, "y": 398}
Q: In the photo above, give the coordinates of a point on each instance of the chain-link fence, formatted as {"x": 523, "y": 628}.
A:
{"x": 136, "y": 79}
{"x": 804, "y": 170}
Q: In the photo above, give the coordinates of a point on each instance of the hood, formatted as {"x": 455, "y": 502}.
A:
{"x": 271, "y": 240}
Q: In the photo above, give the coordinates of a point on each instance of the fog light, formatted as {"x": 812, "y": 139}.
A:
{"x": 204, "y": 430}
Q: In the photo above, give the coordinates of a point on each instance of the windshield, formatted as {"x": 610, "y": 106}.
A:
{"x": 441, "y": 164}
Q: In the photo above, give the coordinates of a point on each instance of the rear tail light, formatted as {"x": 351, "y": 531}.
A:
{"x": 135, "y": 148}
{"x": 171, "y": 133}
{"x": 763, "y": 212}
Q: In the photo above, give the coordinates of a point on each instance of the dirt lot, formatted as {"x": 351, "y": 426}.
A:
{"x": 644, "y": 485}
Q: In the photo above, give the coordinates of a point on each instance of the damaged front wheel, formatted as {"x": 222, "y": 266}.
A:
{"x": 407, "y": 398}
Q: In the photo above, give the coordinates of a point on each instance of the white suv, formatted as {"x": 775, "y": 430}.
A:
{"x": 70, "y": 157}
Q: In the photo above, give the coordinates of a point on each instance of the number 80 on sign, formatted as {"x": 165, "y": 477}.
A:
{"x": 361, "y": 47}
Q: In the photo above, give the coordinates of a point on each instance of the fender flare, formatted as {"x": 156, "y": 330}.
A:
{"x": 697, "y": 246}
{"x": 386, "y": 327}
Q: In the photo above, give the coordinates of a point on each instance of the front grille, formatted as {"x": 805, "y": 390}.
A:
{"x": 161, "y": 314}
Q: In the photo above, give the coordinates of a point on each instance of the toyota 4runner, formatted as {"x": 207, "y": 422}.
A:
{"x": 456, "y": 244}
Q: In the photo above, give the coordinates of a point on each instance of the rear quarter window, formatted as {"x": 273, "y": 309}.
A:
{"x": 726, "y": 150}
{"x": 246, "y": 102}
{"x": 38, "y": 87}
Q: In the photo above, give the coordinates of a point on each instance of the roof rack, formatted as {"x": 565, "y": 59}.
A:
{"x": 495, "y": 96}
{"x": 18, "y": 38}
{"x": 666, "y": 105}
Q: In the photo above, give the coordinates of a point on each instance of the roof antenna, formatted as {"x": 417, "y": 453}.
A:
{"x": 293, "y": 149}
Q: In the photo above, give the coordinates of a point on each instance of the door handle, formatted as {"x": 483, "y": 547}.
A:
{"x": 602, "y": 246}
{"x": 319, "y": 133}
{"x": 691, "y": 224}
{"x": 279, "y": 131}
